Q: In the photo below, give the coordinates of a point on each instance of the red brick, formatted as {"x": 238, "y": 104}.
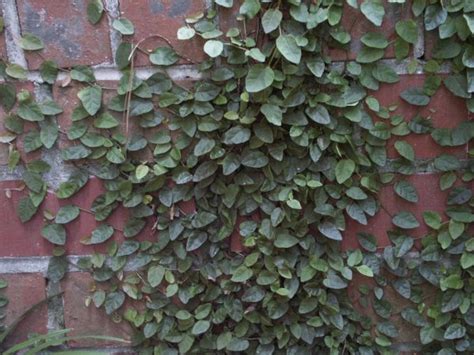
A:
{"x": 68, "y": 36}
{"x": 24, "y": 291}
{"x": 164, "y": 18}
{"x": 20, "y": 239}
{"x": 445, "y": 110}
{"x": 228, "y": 19}
{"x": 430, "y": 198}
{"x": 89, "y": 320}
{"x": 355, "y": 22}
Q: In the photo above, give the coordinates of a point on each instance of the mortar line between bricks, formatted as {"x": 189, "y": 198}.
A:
{"x": 55, "y": 306}
{"x": 115, "y": 38}
{"x": 39, "y": 264}
{"x": 190, "y": 72}
{"x": 421, "y": 166}
{"x": 13, "y": 33}
{"x": 111, "y": 73}
{"x": 419, "y": 46}
{"x": 59, "y": 171}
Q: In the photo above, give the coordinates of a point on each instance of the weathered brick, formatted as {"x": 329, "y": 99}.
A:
{"x": 163, "y": 18}
{"x": 24, "y": 291}
{"x": 354, "y": 22}
{"x": 430, "y": 198}
{"x": 68, "y": 36}
{"x": 228, "y": 19}
{"x": 445, "y": 110}
{"x": 20, "y": 239}
{"x": 88, "y": 320}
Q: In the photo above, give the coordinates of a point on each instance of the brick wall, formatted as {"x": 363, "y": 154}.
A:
{"x": 71, "y": 40}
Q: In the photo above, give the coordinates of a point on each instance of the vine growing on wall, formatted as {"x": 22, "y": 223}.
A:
{"x": 279, "y": 143}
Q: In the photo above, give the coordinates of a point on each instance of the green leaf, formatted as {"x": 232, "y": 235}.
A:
{"x": 344, "y": 170}
{"x": 405, "y": 220}
{"x": 365, "y": 270}
{"x": 150, "y": 329}
{"x": 285, "y": 240}
{"x": 75, "y": 152}
{"x": 55, "y": 233}
{"x": 204, "y": 146}
{"x": 91, "y": 98}
{"x": 185, "y": 33}
{"x": 294, "y": 204}
{"x": 415, "y": 96}
{"x": 455, "y": 331}
{"x": 316, "y": 66}
{"x": 26, "y": 209}
{"x": 413, "y": 317}
{"x": 16, "y": 71}
{"x": 259, "y": 78}
{"x": 241, "y": 274}
{"x": 374, "y": 40}
{"x": 288, "y": 47}
{"x": 236, "y": 135}
{"x": 30, "y": 111}
{"x": 30, "y": 42}
{"x": 114, "y": 301}
{"x": 225, "y": 3}
{"x": 469, "y": 21}
{"x": 49, "y": 71}
{"x": 50, "y": 108}
{"x": 106, "y": 121}
{"x": 7, "y": 96}
{"x": 101, "y": 234}
{"x": 124, "y": 26}
{"x": 432, "y": 219}
{"x": 435, "y": 15}
{"x": 369, "y": 55}
{"x": 407, "y": 30}
{"x": 467, "y": 260}
{"x": 329, "y": 230}
{"x": 67, "y": 214}
{"x": 447, "y": 162}
{"x": 195, "y": 241}
{"x": 49, "y": 133}
{"x": 200, "y": 327}
{"x": 334, "y": 282}
{"x": 250, "y": 8}
{"x": 155, "y": 275}
{"x": 213, "y": 48}
{"x": 367, "y": 241}
{"x": 254, "y": 159}
{"x": 457, "y": 84}
{"x": 133, "y": 227}
{"x": 406, "y": 191}
{"x": 141, "y": 171}
{"x": 405, "y": 150}
{"x": 164, "y": 56}
{"x": 272, "y": 113}
{"x": 203, "y": 219}
{"x": 318, "y": 114}
{"x": 271, "y": 19}
{"x": 83, "y": 74}
{"x": 95, "y": 8}
{"x": 374, "y": 11}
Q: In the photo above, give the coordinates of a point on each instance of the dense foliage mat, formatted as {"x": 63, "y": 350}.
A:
{"x": 281, "y": 144}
